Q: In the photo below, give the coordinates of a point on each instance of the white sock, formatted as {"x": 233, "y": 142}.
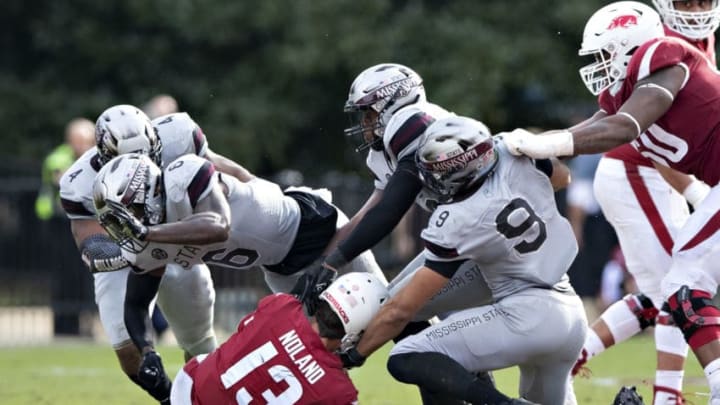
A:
{"x": 672, "y": 379}
{"x": 712, "y": 372}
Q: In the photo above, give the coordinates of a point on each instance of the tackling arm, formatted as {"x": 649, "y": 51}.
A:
{"x": 399, "y": 195}
{"x": 209, "y": 224}
{"x": 97, "y": 250}
{"x": 650, "y": 100}
{"x": 400, "y": 309}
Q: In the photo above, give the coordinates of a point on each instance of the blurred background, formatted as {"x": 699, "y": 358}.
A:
{"x": 266, "y": 80}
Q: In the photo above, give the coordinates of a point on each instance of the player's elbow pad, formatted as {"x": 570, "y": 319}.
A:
{"x": 102, "y": 254}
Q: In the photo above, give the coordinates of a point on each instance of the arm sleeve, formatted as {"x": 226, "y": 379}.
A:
{"x": 445, "y": 269}
{"x": 545, "y": 166}
{"x": 141, "y": 288}
{"x": 399, "y": 195}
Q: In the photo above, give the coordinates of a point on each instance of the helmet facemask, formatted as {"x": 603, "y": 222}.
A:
{"x": 135, "y": 189}
{"x": 607, "y": 69}
{"x": 690, "y": 24}
{"x": 612, "y": 35}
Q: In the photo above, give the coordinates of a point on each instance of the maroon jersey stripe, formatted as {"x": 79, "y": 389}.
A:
{"x": 198, "y": 139}
{"x": 75, "y": 208}
{"x": 707, "y": 231}
{"x": 409, "y": 131}
{"x": 200, "y": 182}
{"x": 648, "y": 206}
{"x": 439, "y": 251}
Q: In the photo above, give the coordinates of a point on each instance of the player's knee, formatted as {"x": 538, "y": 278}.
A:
{"x": 644, "y": 309}
{"x": 399, "y": 368}
{"x": 696, "y": 316}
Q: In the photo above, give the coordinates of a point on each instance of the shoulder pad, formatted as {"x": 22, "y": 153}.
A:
{"x": 407, "y": 125}
{"x": 179, "y": 135}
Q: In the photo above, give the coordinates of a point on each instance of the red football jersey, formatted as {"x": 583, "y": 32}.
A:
{"x": 627, "y": 153}
{"x": 685, "y": 137}
{"x": 274, "y": 358}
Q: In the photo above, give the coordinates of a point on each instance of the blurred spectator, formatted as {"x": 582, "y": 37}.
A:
{"x": 79, "y": 137}
{"x": 594, "y": 235}
{"x": 160, "y": 105}
{"x": 71, "y": 291}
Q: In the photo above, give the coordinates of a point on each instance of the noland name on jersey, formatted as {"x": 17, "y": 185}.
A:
{"x": 306, "y": 363}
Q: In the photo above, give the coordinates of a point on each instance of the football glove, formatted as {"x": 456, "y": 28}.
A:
{"x": 152, "y": 373}
{"x": 351, "y": 358}
{"x": 628, "y": 396}
{"x": 314, "y": 281}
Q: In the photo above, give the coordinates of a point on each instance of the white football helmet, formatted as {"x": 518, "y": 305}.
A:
{"x": 129, "y": 183}
{"x": 453, "y": 153}
{"x": 355, "y": 298}
{"x": 690, "y": 24}
{"x": 126, "y": 129}
{"x": 612, "y": 35}
{"x": 384, "y": 89}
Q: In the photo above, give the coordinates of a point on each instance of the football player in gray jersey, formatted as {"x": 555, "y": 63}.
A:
{"x": 123, "y": 129}
{"x": 188, "y": 214}
{"x": 392, "y": 113}
{"x": 499, "y": 211}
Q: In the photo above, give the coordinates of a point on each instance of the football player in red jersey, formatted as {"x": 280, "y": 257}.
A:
{"x": 661, "y": 94}
{"x": 279, "y": 356}
{"x": 647, "y": 222}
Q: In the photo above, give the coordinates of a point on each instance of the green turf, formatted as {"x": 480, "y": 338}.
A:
{"x": 73, "y": 373}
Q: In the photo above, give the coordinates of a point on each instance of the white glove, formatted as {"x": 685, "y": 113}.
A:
{"x": 522, "y": 142}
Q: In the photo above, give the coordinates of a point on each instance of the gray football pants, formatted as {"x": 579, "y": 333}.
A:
{"x": 466, "y": 289}
{"x": 541, "y": 331}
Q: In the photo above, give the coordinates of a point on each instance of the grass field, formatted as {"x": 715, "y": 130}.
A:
{"x": 78, "y": 373}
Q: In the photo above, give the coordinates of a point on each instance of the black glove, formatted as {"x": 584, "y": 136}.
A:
{"x": 152, "y": 374}
{"x": 628, "y": 396}
{"x": 351, "y": 358}
{"x": 314, "y": 281}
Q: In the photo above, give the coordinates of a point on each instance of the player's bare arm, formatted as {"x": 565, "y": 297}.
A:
{"x": 210, "y": 223}
{"x": 400, "y": 193}
{"x": 560, "y": 174}
{"x": 228, "y": 166}
{"x": 691, "y": 188}
{"x": 400, "y": 309}
{"x": 650, "y": 100}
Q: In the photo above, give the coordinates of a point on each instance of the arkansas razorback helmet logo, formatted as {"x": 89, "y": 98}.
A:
{"x": 623, "y": 21}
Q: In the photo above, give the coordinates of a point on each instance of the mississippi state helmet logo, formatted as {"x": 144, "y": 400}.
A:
{"x": 623, "y": 21}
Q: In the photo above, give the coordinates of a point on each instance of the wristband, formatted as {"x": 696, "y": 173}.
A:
{"x": 696, "y": 192}
{"x": 559, "y": 143}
